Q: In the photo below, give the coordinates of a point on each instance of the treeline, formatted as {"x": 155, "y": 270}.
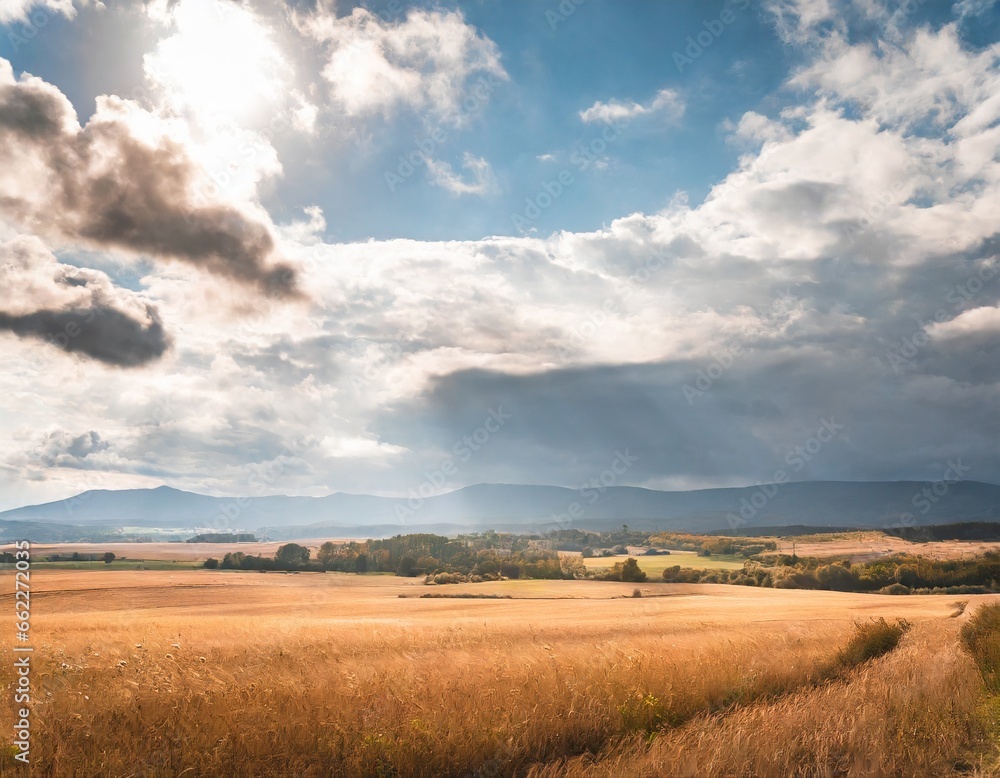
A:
{"x": 615, "y": 542}
{"x": 578, "y": 540}
{"x": 789, "y": 531}
{"x": 488, "y": 555}
{"x": 898, "y": 574}
{"x": 106, "y": 556}
{"x": 223, "y": 537}
{"x": 475, "y": 558}
{"x": 707, "y": 545}
{"x": 965, "y": 530}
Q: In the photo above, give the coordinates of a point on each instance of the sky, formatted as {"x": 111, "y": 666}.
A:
{"x": 400, "y": 248}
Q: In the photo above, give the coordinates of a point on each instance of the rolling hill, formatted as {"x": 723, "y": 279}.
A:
{"x": 525, "y": 507}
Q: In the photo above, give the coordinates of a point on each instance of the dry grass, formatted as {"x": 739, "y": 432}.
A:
{"x": 654, "y": 565}
{"x": 872, "y": 639}
{"x": 981, "y": 637}
{"x": 866, "y": 546}
{"x": 163, "y": 551}
{"x": 914, "y": 712}
{"x": 145, "y": 673}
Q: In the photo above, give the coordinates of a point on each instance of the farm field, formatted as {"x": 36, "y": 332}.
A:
{"x": 654, "y": 565}
{"x": 865, "y": 546}
{"x": 239, "y": 673}
{"x": 173, "y": 552}
{"x": 856, "y": 546}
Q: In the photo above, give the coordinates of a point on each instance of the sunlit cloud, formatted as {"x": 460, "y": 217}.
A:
{"x": 221, "y": 63}
{"x": 667, "y": 102}
{"x": 424, "y": 61}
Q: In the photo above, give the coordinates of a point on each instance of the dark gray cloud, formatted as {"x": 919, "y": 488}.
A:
{"x": 746, "y": 424}
{"x": 105, "y": 334}
{"x": 75, "y": 309}
{"x": 63, "y": 449}
{"x": 30, "y": 110}
{"x": 111, "y": 189}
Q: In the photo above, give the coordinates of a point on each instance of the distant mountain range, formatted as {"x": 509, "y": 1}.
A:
{"x": 506, "y": 507}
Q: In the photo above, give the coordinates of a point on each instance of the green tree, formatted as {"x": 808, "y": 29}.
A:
{"x": 671, "y": 573}
{"x": 508, "y": 570}
{"x": 631, "y": 571}
{"x": 327, "y": 554}
{"x": 407, "y": 567}
{"x": 572, "y": 567}
{"x": 488, "y": 567}
{"x": 907, "y": 575}
{"x": 361, "y": 564}
{"x": 837, "y": 577}
{"x": 211, "y": 563}
{"x": 108, "y": 557}
{"x": 291, "y": 556}
{"x": 233, "y": 560}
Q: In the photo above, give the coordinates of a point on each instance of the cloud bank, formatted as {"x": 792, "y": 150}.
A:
{"x": 846, "y": 268}
{"x": 121, "y": 182}
{"x": 423, "y": 61}
{"x": 76, "y": 309}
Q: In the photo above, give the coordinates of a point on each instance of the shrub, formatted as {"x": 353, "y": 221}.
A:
{"x": 799, "y": 579}
{"x": 896, "y": 588}
{"x": 488, "y": 567}
{"x": 871, "y": 639}
{"x": 981, "y": 636}
{"x": 671, "y": 573}
{"x": 907, "y": 575}
{"x": 837, "y": 577}
{"x": 211, "y": 563}
{"x": 448, "y": 578}
{"x": 407, "y": 567}
{"x": 631, "y": 572}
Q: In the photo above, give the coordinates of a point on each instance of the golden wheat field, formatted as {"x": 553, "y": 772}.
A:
{"x": 865, "y": 546}
{"x": 147, "y": 673}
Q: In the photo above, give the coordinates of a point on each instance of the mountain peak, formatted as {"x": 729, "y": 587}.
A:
{"x": 530, "y": 507}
